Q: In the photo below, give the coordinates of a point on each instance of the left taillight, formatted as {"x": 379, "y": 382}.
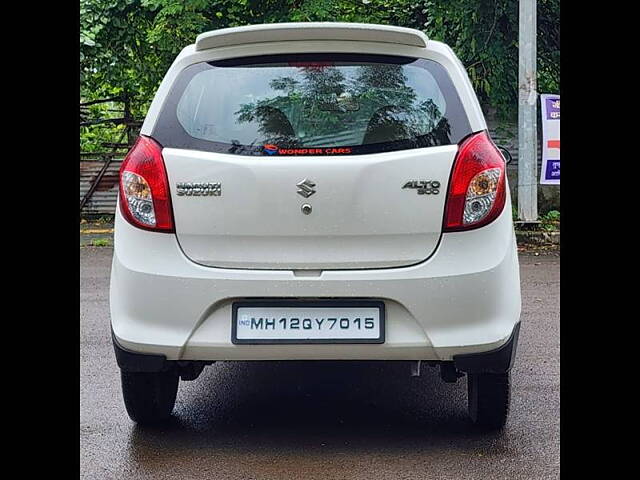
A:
{"x": 145, "y": 200}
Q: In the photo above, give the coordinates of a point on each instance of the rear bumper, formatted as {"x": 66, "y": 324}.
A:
{"x": 464, "y": 299}
{"x": 499, "y": 360}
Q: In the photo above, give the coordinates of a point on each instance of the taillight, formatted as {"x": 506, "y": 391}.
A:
{"x": 145, "y": 199}
{"x": 477, "y": 188}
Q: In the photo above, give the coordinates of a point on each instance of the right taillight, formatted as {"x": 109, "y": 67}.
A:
{"x": 477, "y": 191}
{"x": 145, "y": 200}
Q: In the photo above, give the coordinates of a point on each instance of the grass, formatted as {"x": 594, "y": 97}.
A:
{"x": 101, "y": 242}
{"x": 549, "y": 222}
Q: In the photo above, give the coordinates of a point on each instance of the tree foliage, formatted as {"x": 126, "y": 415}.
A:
{"x": 126, "y": 46}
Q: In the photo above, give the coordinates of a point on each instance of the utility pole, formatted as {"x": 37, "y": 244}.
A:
{"x": 527, "y": 126}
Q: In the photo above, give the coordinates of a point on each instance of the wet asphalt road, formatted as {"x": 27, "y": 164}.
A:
{"x": 324, "y": 420}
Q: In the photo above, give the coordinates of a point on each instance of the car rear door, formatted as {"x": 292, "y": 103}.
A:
{"x": 317, "y": 161}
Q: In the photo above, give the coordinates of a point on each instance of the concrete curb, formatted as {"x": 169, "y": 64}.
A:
{"x": 537, "y": 238}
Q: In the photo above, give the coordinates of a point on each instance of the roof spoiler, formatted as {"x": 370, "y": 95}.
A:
{"x": 279, "y": 32}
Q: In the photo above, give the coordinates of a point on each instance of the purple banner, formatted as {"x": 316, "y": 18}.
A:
{"x": 553, "y": 170}
{"x": 550, "y": 116}
{"x": 553, "y": 108}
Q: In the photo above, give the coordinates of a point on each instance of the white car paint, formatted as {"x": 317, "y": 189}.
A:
{"x": 464, "y": 299}
{"x": 447, "y": 293}
{"x": 378, "y": 214}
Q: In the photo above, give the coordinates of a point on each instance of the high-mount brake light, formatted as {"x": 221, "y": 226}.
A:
{"x": 477, "y": 189}
{"x": 145, "y": 200}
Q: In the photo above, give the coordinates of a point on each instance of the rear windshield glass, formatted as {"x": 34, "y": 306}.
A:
{"x": 312, "y": 105}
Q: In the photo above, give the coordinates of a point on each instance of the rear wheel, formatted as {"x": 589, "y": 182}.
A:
{"x": 488, "y": 397}
{"x": 149, "y": 397}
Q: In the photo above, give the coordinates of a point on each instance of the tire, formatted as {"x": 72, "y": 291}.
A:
{"x": 149, "y": 397}
{"x": 489, "y": 395}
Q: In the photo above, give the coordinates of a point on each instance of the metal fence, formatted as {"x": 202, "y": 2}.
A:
{"x": 102, "y": 200}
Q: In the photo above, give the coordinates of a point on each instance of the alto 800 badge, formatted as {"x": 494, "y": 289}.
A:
{"x": 424, "y": 187}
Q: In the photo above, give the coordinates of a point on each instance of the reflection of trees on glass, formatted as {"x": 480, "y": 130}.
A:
{"x": 396, "y": 114}
{"x": 298, "y": 104}
{"x": 338, "y": 106}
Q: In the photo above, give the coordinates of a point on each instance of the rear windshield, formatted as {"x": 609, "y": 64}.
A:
{"x": 311, "y": 104}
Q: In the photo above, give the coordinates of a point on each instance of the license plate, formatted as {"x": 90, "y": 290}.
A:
{"x": 296, "y": 321}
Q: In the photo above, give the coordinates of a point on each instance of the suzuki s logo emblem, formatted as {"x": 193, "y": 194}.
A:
{"x": 305, "y": 188}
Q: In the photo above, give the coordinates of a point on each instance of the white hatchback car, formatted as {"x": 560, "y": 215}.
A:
{"x": 314, "y": 191}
